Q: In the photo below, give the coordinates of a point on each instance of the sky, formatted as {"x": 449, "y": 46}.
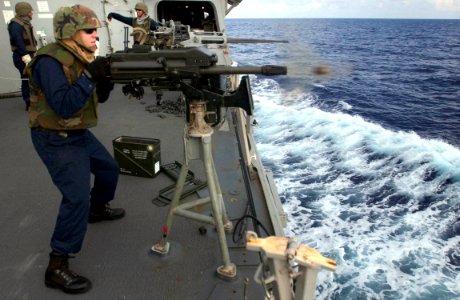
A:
{"x": 418, "y": 9}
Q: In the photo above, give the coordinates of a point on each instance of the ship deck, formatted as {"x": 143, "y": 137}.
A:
{"x": 116, "y": 255}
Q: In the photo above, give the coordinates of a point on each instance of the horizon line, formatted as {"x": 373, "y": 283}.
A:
{"x": 365, "y": 18}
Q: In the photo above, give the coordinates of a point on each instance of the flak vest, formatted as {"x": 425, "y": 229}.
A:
{"x": 40, "y": 113}
{"x": 29, "y": 39}
{"x": 146, "y": 26}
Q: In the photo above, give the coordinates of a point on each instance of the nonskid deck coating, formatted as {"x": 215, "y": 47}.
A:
{"x": 116, "y": 255}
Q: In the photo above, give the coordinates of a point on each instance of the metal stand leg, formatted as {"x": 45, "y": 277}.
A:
{"x": 228, "y": 270}
{"x": 199, "y": 146}
{"x": 162, "y": 247}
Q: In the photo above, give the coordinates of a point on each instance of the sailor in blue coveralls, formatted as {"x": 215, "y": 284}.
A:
{"x": 23, "y": 44}
{"x": 142, "y": 22}
{"x": 66, "y": 84}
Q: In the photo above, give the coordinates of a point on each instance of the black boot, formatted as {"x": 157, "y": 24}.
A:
{"x": 103, "y": 212}
{"x": 59, "y": 276}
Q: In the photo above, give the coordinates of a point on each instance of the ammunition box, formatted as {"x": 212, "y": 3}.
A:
{"x": 137, "y": 156}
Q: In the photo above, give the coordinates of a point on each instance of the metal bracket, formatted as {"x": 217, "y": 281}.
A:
{"x": 288, "y": 261}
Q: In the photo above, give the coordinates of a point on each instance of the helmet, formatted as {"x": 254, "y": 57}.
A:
{"x": 142, "y": 6}
{"x": 68, "y": 20}
{"x": 22, "y": 8}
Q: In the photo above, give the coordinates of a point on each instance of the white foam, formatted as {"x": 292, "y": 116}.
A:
{"x": 345, "y": 105}
{"x": 373, "y": 199}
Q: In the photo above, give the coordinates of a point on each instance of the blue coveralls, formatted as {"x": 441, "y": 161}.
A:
{"x": 71, "y": 159}
{"x": 16, "y": 34}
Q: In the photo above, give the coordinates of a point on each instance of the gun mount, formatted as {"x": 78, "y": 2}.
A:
{"x": 193, "y": 71}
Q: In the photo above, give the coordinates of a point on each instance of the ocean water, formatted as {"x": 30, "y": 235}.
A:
{"x": 366, "y": 157}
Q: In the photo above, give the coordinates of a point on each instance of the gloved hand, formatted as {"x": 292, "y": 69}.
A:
{"x": 109, "y": 17}
{"x": 99, "y": 69}
{"x": 26, "y": 59}
{"x": 103, "y": 89}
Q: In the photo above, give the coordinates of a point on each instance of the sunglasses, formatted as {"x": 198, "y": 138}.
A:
{"x": 90, "y": 30}
{"x": 138, "y": 9}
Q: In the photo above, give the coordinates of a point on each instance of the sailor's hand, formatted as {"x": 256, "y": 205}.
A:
{"x": 103, "y": 88}
{"x": 99, "y": 69}
{"x": 26, "y": 59}
{"x": 109, "y": 17}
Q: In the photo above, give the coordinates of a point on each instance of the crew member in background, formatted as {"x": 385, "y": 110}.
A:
{"x": 66, "y": 84}
{"x": 23, "y": 44}
{"x": 142, "y": 25}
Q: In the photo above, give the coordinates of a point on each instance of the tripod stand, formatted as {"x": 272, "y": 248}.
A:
{"x": 198, "y": 146}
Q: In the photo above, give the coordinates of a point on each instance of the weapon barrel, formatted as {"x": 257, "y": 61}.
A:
{"x": 127, "y": 71}
{"x": 254, "y": 41}
{"x": 267, "y": 70}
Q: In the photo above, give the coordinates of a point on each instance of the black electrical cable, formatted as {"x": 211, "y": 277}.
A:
{"x": 257, "y": 223}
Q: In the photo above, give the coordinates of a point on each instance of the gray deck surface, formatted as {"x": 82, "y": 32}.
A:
{"x": 116, "y": 255}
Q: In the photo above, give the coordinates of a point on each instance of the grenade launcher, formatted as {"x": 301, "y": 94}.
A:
{"x": 193, "y": 71}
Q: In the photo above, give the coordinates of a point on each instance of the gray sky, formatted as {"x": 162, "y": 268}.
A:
{"x": 420, "y": 9}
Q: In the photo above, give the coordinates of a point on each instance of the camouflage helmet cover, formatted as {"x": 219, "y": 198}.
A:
{"x": 142, "y": 6}
{"x": 68, "y": 20}
{"x": 22, "y": 8}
